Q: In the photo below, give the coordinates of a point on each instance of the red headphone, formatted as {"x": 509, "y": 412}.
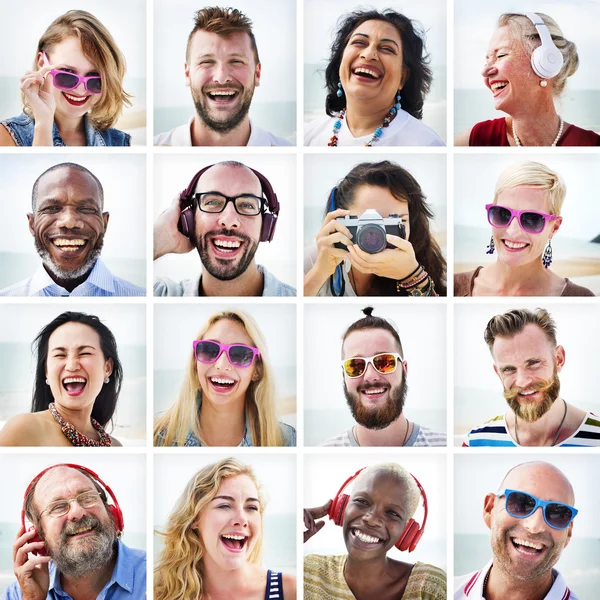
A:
{"x": 412, "y": 532}
{"x": 187, "y": 206}
{"x": 115, "y": 509}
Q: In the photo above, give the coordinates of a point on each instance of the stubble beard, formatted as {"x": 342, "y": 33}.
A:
{"x": 377, "y": 418}
{"x": 532, "y": 411}
{"x": 226, "y": 270}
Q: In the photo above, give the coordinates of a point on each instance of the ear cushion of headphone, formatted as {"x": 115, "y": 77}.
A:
{"x": 547, "y": 62}
{"x": 338, "y": 506}
{"x": 267, "y": 230}
{"x": 117, "y": 515}
{"x": 411, "y": 531}
{"x": 186, "y": 222}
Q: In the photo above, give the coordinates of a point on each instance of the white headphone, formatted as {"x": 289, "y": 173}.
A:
{"x": 547, "y": 59}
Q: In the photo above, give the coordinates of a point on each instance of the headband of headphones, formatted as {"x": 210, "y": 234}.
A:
{"x": 546, "y": 60}
{"x": 412, "y": 532}
{"x": 269, "y": 219}
{"x": 114, "y": 509}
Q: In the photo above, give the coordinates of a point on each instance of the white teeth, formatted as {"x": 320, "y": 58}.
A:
{"x": 528, "y": 544}
{"x": 527, "y": 393}
{"x": 77, "y": 98}
{"x": 227, "y": 244}
{"x": 222, "y": 381}
{"x": 514, "y": 245}
{"x": 359, "y": 70}
{"x": 74, "y": 380}
{"x": 363, "y": 537}
{"x": 499, "y": 85}
{"x": 231, "y": 536}
{"x": 373, "y": 391}
{"x": 64, "y": 242}
{"x": 222, "y": 93}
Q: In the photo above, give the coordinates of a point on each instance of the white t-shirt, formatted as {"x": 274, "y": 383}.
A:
{"x": 404, "y": 130}
{"x": 182, "y": 136}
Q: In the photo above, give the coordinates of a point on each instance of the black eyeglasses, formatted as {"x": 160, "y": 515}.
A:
{"x": 522, "y": 505}
{"x": 246, "y": 205}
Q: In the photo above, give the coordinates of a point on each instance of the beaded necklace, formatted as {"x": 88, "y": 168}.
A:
{"x": 75, "y": 437}
{"x": 560, "y": 130}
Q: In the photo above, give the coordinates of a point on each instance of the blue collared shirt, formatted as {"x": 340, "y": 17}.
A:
{"x": 128, "y": 581}
{"x": 100, "y": 282}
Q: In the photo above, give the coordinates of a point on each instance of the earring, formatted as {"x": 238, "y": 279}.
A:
{"x": 547, "y": 257}
{"x": 543, "y": 83}
{"x": 491, "y": 247}
{"x": 398, "y": 98}
{"x": 340, "y": 91}
{"x": 107, "y": 379}
{"x": 47, "y": 382}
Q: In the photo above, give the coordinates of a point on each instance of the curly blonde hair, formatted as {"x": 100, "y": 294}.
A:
{"x": 100, "y": 48}
{"x": 171, "y": 428}
{"x": 179, "y": 572}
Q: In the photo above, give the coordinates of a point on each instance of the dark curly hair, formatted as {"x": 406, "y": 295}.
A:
{"x": 414, "y": 56}
{"x": 106, "y": 401}
{"x": 403, "y": 186}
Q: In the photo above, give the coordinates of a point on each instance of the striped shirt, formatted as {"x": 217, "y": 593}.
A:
{"x": 420, "y": 436}
{"x": 274, "y": 589}
{"x": 495, "y": 433}
{"x": 471, "y": 586}
{"x": 324, "y": 580}
{"x": 100, "y": 282}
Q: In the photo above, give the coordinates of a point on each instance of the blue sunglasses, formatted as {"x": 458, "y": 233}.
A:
{"x": 522, "y": 505}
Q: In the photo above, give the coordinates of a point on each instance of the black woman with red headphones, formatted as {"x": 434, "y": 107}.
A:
{"x": 376, "y": 516}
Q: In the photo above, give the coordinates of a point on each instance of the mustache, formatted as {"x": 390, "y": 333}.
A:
{"x": 227, "y": 233}
{"x": 207, "y": 89}
{"x": 543, "y": 386}
{"x": 373, "y": 385}
{"x": 86, "y": 521}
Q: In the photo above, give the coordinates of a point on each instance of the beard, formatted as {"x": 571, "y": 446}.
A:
{"x": 377, "y": 418}
{"x": 85, "y": 556}
{"x": 61, "y": 273}
{"x": 226, "y": 270}
{"x": 532, "y": 411}
{"x": 228, "y": 122}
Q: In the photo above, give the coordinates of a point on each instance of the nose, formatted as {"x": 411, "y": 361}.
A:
{"x": 522, "y": 379}
{"x": 369, "y": 52}
{"x": 220, "y": 73}
{"x": 514, "y": 227}
{"x": 72, "y": 362}
{"x": 535, "y": 523}
{"x": 488, "y": 68}
{"x": 223, "y": 362}
{"x": 69, "y": 219}
{"x": 75, "y": 511}
{"x": 239, "y": 518}
{"x": 228, "y": 218}
{"x": 372, "y": 517}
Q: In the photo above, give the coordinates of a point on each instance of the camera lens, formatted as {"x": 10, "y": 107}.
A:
{"x": 371, "y": 238}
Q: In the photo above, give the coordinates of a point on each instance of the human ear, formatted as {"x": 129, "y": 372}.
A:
{"x": 560, "y": 358}
{"x": 186, "y": 68}
{"x": 257, "y": 71}
{"x": 30, "y": 220}
{"x": 108, "y": 367}
{"x": 556, "y": 226}
{"x": 488, "y": 507}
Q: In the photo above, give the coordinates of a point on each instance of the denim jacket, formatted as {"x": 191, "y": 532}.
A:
{"x": 21, "y": 131}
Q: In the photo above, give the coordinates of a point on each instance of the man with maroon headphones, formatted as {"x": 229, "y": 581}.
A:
{"x": 224, "y": 213}
{"x": 73, "y": 549}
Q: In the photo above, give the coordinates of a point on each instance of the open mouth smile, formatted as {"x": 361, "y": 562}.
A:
{"x": 226, "y": 247}
{"x": 225, "y": 96}
{"x": 81, "y": 531}
{"x": 526, "y": 547}
{"x": 69, "y": 245}
{"x": 221, "y": 383}
{"x": 497, "y": 87}
{"x": 74, "y": 385}
{"x": 514, "y": 246}
{"x": 234, "y": 542}
{"x": 374, "y": 392}
{"x": 364, "y": 540}
{"x": 367, "y": 73}
{"x": 75, "y": 100}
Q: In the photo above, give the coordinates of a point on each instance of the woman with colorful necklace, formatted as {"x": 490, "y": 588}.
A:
{"x": 77, "y": 383}
{"x": 377, "y": 79}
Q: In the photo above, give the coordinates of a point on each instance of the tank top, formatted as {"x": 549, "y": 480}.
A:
{"x": 274, "y": 586}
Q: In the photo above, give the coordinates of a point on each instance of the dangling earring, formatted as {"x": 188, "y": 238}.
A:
{"x": 107, "y": 379}
{"x": 543, "y": 83}
{"x": 340, "y": 91}
{"x": 547, "y": 257}
{"x": 491, "y": 247}
{"x": 398, "y": 98}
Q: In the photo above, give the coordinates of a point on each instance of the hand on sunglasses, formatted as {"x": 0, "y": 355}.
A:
{"x": 37, "y": 89}
{"x": 393, "y": 263}
{"x": 384, "y": 363}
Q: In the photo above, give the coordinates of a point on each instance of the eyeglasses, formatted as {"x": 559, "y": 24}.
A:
{"x": 522, "y": 505}
{"x": 239, "y": 355}
{"x": 65, "y": 80}
{"x": 531, "y": 221}
{"x": 62, "y": 507}
{"x": 384, "y": 363}
{"x": 246, "y": 205}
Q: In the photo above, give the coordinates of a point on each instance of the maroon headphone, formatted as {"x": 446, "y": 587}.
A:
{"x": 115, "y": 509}
{"x": 412, "y": 532}
{"x": 187, "y": 206}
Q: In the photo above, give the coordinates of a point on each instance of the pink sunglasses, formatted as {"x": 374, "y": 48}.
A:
{"x": 65, "y": 80}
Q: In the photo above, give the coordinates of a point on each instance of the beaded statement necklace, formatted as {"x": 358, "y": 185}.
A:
{"x": 75, "y": 437}
{"x": 378, "y": 132}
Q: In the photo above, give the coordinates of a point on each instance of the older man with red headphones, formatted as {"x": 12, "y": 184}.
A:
{"x": 73, "y": 548}
{"x": 225, "y": 212}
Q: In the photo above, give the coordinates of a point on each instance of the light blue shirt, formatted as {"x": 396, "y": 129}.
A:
{"x": 100, "y": 282}
{"x": 128, "y": 581}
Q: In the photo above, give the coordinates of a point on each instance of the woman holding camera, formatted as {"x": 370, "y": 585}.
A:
{"x": 346, "y": 264}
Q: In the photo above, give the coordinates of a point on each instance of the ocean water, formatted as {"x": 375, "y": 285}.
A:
{"x": 581, "y": 107}
{"x": 278, "y": 118}
{"x": 579, "y": 563}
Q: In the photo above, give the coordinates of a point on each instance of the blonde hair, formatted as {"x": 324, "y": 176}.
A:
{"x": 399, "y": 473}
{"x": 100, "y": 48}
{"x": 179, "y": 572}
{"x": 534, "y": 174}
{"x": 171, "y": 427}
{"x": 523, "y": 30}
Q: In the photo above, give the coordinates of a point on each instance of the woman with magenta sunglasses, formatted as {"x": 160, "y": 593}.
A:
{"x": 228, "y": 395}
{"x": 74, "y": 95}
{"x": 524, "y": 217}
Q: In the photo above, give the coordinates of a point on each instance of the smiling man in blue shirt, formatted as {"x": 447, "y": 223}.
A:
{"x": 68, "y": 224}
{"x": 80, "y": 555}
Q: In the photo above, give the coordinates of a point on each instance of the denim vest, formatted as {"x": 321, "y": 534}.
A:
{"x": 21, "y": 131}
